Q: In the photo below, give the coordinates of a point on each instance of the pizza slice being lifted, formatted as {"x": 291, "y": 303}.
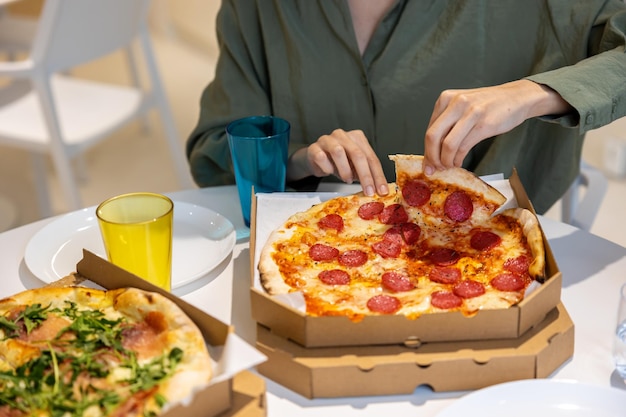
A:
{"x": 455, "y": 194}
{"x": 431, "y": 245}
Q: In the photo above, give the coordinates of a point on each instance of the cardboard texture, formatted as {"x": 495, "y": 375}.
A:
{"x": 308, "y": 331}
{"x": 398, "y": 369}
{"x": 248, "y": 396}
{"x": 217, "y": 397}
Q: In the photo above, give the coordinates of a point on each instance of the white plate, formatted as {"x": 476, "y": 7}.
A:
{"x": 202, "y": 240}
{"x": 540, "y": 397}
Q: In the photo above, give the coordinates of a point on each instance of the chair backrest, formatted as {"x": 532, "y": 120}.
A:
{"x": 72, "y": 32}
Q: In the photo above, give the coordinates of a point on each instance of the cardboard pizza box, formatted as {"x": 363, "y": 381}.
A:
{"x": 292, "y": 323}
{"x": 228, "y": 394}
{"x": 248, "y": 396}
{"x": 398, "y": 369}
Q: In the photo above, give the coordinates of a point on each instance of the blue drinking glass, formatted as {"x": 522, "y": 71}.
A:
{"x": 258, "y": 146}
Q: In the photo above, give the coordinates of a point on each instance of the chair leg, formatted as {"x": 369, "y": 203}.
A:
{"x": 569, "y": 201}
{"x": 61, "y": 160}
{"x": 38, "y": 162}
{"x": 171, "y": 133}
{"x": 65, "y": 174}
{"x": 136, "y": 82}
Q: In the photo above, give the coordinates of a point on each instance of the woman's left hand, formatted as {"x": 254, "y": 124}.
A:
{"x": 463, "y": 118}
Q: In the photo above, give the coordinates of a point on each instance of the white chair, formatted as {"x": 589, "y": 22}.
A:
{"x": 578, "y": 209}
{"x": 49, "y": 113}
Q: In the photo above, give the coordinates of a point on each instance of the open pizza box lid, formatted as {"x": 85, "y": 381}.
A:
{"x": 269, "y": 211}
{"x": 232, "y": 356}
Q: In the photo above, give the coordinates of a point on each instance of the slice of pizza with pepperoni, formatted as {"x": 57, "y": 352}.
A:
{"x": 433, "y": 244}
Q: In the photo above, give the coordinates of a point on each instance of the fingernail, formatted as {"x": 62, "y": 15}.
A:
{"x": 383, "y": 189}
{"x": 428, "y": 170}
{"x": 369, "y": 191}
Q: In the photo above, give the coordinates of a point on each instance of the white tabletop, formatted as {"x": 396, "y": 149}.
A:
{"x": 593, "y": 270}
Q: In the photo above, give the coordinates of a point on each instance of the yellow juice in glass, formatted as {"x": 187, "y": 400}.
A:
{"x": 137, "y": 233}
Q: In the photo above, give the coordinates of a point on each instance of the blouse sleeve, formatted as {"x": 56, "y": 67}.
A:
{"x": 237, "y": 90}
{"x": 594, "y": 82}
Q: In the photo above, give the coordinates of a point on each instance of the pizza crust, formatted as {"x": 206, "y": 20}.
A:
{"x": 534, "y": 237}
{"x": 195, "y": 370}
{"x": 270, "y": 276}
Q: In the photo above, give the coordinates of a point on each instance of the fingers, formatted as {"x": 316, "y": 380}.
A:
{"x": 366, "y": 165}
{"x": 463, "y": 118}
{"x": 349, "y": 156}
{"x": 450, "y": 135}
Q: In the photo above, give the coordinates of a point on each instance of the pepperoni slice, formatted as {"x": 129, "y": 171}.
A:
{"x": 353, "y": 258}
{"x": 369, "y": 211}
{"x": 331, "y": 221}
{"x": 445, "y": 275}
{"x": 458, "y": 206}
{"x": 410, "y": 232}
{"x": 393, "y": 214}
{"x": 444, "y": 256}
{"x": 416, "y": 193}
{"x": 518, "y": 265}
{"x": 405, "y": 232}
{"x": 508, "y": 282}
{"x": 393, "y": 234}
{"x": 324, "y": 253}
{"x": 445, "y": 300}
{"x": 483, "y": 240}
{"x": 382, "y": 303}
{"x": 396, "y": 282}
{"x": 334, "y": 277}
{"x": 468, "y": 288}
{"x": 387, "y": 248}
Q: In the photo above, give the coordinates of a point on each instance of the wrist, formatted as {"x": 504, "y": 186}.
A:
{"x": 546, "y": 101}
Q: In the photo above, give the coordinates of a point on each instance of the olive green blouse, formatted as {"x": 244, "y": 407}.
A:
{"x": 299, "y": 59}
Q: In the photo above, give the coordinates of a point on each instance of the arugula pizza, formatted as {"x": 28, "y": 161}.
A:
{"x": 77, "y": 351}
{"x": 432, "y": 245}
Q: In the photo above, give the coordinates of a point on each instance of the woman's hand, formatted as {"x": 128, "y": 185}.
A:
{"x": 463, "y": 118}
{"x": 346, "y": 154}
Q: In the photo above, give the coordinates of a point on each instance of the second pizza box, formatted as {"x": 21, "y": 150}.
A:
{"x": 291, "y": 323}
{"x": 232, "y": 385}
{"x": 397, "y": 369}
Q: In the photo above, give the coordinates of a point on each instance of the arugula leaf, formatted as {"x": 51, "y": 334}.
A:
{"x": 8, "y": 325}
{"x": 33, "y": 315}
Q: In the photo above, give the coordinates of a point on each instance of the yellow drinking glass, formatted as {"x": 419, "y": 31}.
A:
{"x": 137, "y": 233}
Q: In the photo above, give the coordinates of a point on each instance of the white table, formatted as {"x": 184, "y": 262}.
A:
{"x": 593, "y": 270}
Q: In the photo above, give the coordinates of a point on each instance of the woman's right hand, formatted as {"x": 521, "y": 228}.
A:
{"x": 346, "y": 154}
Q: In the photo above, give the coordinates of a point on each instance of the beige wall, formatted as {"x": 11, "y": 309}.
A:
{"x": 28, "y": 7}
{"x": 193, "y": 20}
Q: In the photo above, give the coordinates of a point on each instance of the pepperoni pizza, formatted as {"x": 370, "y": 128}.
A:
{"x": 76, "y": 351}
{"x": 433, "y": 244}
